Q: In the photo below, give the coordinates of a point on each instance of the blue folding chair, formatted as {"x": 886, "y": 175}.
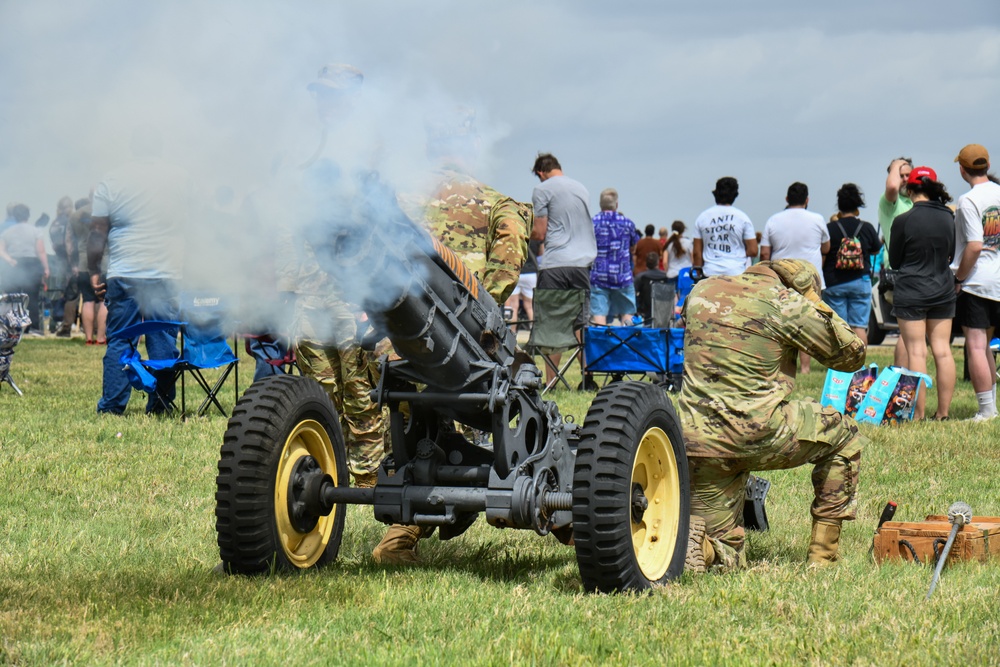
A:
{"x": 203, "y": 346}
{"x": 146, "y": 375}
{"x": 635, "y": 353}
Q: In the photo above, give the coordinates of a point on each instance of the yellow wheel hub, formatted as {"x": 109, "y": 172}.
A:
{"x": 654, "y": 533}
{"x": 308, "y": 438}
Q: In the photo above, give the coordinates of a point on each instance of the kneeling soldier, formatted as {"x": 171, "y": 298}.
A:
{"x": 743, "y": 335}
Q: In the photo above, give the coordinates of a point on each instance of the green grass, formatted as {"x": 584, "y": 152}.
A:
{"x": 107, "y": 542}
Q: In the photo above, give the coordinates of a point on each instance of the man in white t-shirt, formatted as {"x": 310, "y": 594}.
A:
{"x": 796, "y": 233}
{"x": 724, "y": 236}
{"x": 977, "y": 272}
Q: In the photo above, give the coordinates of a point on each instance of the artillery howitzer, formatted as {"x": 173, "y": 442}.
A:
{"x": 616, "y": 488}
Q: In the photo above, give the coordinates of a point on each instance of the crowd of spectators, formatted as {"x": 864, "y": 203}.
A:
{"x": 47, "y": 261}
{"x": 944, "y": 262}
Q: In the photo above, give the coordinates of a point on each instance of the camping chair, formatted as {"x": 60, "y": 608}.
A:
{"x": 203, "y": 346}
{"x": 274, "y": 350}
{"x": 675, "y": 335}
{"x": 13, "y": 322}
{"x": 147, "y": 374}
{"x": 661, "y": 306}
{"x": 554, "y": 330}
{"x": 620, "y": 352}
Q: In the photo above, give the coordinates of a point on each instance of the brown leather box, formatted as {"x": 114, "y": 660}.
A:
{"x": 899, "y": 540}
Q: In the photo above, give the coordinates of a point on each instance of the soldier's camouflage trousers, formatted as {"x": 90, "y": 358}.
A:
{"x": 348, "y": 374}
{"x": 810, "y": 434}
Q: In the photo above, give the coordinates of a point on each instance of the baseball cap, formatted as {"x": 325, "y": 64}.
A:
{"x": 973, "y": 156}
{"x": 919, "y": 173}
{"x": 336, "y": 76}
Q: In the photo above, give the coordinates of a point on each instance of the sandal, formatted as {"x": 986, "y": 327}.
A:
{"x": 89, "y": 342}
{"x": 101, "y": 342}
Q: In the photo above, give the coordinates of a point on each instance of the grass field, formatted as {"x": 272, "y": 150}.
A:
{"x": 107, "y": 543}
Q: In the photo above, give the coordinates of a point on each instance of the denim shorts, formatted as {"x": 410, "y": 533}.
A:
{"x": 612, "y": 302}
{"x": 851, "y": 300}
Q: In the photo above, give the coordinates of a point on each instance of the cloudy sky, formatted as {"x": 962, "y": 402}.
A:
{"x": 656, "y": 98}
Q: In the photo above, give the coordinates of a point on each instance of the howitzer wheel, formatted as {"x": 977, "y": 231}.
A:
{"x": 281, "y": 427}
{"x": 631, "y": 494}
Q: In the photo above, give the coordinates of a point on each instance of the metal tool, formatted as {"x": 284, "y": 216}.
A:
{"x": 959, "y": 515}
{"x": 887, "y": 513}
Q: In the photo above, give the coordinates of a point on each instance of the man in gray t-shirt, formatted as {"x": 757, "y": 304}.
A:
{"x": 562, "y": 219}
{"x": 563, "y": 224}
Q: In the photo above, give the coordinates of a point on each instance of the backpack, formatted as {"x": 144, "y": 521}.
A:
{"x": 850, "y": 255}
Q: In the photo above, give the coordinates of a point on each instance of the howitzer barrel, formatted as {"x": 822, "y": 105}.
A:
{"x": 435, "y": 312}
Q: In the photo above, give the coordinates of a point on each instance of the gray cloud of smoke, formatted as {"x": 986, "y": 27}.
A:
{"x": 655, "y": 98}
{"x": 225, "y": 83}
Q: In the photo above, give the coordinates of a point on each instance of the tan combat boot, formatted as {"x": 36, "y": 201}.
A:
{"x": 366, "y": 480}
{"x": 399, "y": 546}
{"x": 700, "y": 553}
{"x": 824, "y": 544}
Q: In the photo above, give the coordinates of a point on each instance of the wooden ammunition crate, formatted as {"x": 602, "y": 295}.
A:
{"x": 979, "y": 540}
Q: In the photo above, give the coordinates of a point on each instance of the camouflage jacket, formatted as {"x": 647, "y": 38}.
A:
{"x": 743, "y": 334}
{"x": 487, "y": 230}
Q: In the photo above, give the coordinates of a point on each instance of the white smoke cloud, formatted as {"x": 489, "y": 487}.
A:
{"x": 655, "y": 98}
{"x": 225, "y": 83}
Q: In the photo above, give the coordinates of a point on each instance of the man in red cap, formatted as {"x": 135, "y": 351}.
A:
{"x": 977, "y": 271}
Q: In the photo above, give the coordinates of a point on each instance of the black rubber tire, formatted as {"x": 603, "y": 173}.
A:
{"x": 875, "y": 334}
{"x": 267, "y": 420}
{"x": 620, "y": 418}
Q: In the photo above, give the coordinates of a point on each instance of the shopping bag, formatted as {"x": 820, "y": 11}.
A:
{"x": 844, "y": 391}
{"x": 892, "y": 399}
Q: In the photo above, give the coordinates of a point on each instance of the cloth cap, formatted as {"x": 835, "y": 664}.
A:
{"x": 919, "y": 173}
{"x": 798, "y": 275}
{"x": 973, "y": 156}
{"x": 338, "y": 77}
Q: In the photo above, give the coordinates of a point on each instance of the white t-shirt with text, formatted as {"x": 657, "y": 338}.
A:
{"x": 724, "y": 231}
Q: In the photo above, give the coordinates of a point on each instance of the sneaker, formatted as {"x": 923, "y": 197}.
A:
{"x": 979, "y": 417}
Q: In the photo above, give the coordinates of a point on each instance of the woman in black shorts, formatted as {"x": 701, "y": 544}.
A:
{"x": 921, "y": 246}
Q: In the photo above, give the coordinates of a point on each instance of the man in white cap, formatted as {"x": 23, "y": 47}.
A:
{"x": 977, "y": 271}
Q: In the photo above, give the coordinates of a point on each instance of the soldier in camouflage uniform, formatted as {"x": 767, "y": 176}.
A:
{"x": 743, "y": 334}
{"x": 489, "y": 233}
{"x": 328, "y": 350}
{"x": 483, "y": 227}
{"x": 325, "y": 328}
